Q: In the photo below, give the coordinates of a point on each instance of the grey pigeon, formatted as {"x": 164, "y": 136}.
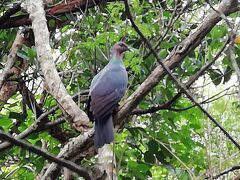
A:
{"x": 106, "y": 90}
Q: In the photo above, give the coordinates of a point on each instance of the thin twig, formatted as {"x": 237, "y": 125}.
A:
{"x": 225, "y": 172}
{"x": 170, "y": 24}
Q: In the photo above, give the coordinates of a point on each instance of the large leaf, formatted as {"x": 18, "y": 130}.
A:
{"x": 216, "y": 76}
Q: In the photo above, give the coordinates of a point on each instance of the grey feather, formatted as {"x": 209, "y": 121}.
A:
{"x": 106, "y": 90}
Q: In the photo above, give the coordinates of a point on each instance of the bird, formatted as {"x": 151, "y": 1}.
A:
{"x": 106, "y": 90}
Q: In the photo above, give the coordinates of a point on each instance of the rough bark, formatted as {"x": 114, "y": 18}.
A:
{"x": 176, "y": 57}
{"x": 107, "y": 162}
{"x": 76, "y": 117}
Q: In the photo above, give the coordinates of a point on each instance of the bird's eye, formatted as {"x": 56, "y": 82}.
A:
{"x": 121, "y": 44}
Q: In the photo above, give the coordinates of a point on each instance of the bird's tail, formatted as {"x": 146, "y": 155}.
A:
{"x": 103, "y": 132}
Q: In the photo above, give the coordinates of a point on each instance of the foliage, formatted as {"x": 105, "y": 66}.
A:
{"x": 166, "y": 144}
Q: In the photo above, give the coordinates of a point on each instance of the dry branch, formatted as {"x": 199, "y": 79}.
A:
{"x": 76, "y": 117}
{"x": 9, "y": 88}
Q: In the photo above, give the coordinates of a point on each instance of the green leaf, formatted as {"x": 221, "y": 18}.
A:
{"x": 65, "y": 28}
{"x": 216, "y": 76}
{"x": 163, "y": 53}
{"x": 166, "y": 14}
{"x": 161, "y": 157}
{"x": 39, "y": 163}
{"x": 52, "y": 23}
{"x": 5, "y": 122}
{"x": 153, "y": 146}
{"x": 149, "y": 157}
{"x": 132, "y": 164}
{"x": 166, "y": 45}
{"x": 32, "y": 53}
{"x": 227, "y": 74}
{"x": 22, "y": 54}
{"x": 143, "y": 167}
{"x": 218, "y": 32}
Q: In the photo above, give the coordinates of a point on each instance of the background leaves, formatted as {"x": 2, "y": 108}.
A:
{"x": 177, "y": 143}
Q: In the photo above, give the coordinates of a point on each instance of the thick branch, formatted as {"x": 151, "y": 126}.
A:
{"x": 5, "y": 17}
{"x": 52, "y": 80}
{"x": 52, "y": 13}
{"x": 176, "y": 57}
{"x": 191, "y": 80}
{"x": 107, "y": 161}
{"x": 174, "y": 78}
{"x": 68, "y": 164}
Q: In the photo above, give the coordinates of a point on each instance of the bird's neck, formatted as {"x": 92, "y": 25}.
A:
{"x": 116, "y": 58}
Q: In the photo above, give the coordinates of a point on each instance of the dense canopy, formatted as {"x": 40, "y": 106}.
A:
{"x": 179, "y": 118}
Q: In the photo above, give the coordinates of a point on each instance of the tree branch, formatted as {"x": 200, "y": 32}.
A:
{"x": 17, "y": 44}
{"x": 107, "y": 161}
{"x": 38, "y": 125}
{"x": 5, "y": 17}
{"x": 53, "y": 12}
{"x": 77, "y": 144}
{"x": 180, "y": 50}
{"x": 225, "y": 172}
{"x": 164, "y": 107}
{"x": 68, "y": 164}
{"x": 8, "y": 88}
{"x": 191, "y": 80}
{"x": 76, "y": 117}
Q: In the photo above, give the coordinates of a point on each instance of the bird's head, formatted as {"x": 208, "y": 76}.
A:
{"x": 120, "y": 48}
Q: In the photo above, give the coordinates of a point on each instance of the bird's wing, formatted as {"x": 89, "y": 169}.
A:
{"x": 105, "y": 96}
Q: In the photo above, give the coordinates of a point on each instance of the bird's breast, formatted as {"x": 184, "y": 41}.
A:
{"x": 119, "y": 76}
